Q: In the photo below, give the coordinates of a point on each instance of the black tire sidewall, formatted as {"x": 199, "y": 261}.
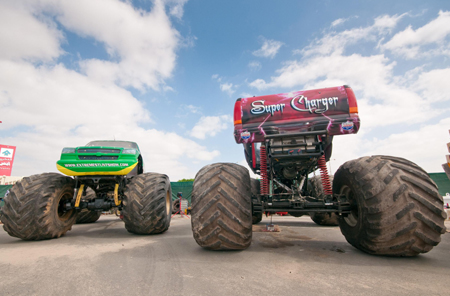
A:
{"x": 168, "y": 203}
{"x": 68, "y": 218}
{"x": 352, "y": 233}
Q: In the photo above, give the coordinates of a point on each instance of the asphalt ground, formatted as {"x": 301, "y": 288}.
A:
{"x": 302, "y": 259}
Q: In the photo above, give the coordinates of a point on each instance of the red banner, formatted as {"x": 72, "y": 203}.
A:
{"x": 6, "y": 159}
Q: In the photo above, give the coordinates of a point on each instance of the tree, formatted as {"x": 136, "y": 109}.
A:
{"x": 186, "y": 180}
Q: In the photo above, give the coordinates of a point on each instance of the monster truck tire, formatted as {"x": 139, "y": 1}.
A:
{"x": 396, "y": 208}
{"x": 86, "y": 216}
{"x": 255, "y": 189}
{"x": 176, "y": 206}
{"x": 325, "y": 219}
{"x": 147, "y": 204}
{"x": 33, "y": 209}
{"x": 221, "y": 207}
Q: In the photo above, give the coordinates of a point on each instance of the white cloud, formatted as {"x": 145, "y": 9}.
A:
{"x": 210, "y": 126}
{"x": 216, "y": 77}
{"x": 22, "y": 36}
{"x": 355, "y": 69}
{"x": 176, "y": 7}
{"x": 269, "y": 48}
{"x": 228, "y": 88}
{"x": 49, "y": 96}
{"x": 387, "y": 22}
{"x": 409, "y": 42}
{"x": 335, "y": 43}
{"x": 45, "y": 107}
{"x": 141, "y": 44}
{"x": 409, "y": 145}
{"x": 194, "y": 109}
{"x": 340, "y": 21}
{"x": 371, "y": 77}
{"x": 245, "y": 164}
{"x": 255, "y": 65}
{"x": 245, "y": 95}
{"x": 434, "y": 85}
{"x": 61, "y": 108}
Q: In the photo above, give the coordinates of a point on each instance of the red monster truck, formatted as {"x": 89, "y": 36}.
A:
{"x": 384, "y": 205}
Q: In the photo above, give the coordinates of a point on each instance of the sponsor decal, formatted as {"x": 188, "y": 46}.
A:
{"x": 260, "y": 108}
{"x": 89, "y": 165}
{"x": 318, "y": 106}
{"x": 6, "y": 153}
{"x": 245, "y": 135}
{"x": 347, "y": 126}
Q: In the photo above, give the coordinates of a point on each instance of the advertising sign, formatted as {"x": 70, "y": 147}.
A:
{"x": 6, "y": 159}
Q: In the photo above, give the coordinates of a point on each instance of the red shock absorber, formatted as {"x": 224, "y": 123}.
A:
{"x": 326, "y": 184}
{"x": 263, "y": 168}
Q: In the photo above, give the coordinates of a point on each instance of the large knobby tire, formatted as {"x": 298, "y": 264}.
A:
{"x": 147, "y": 205}
{"x": 86, "y": 216}
{"x": 221, "y": 207}
{"x": 324, "y": 219}
{"x": 34, "y": 208}
{"x": 396, "y": 207}
{"x": 176, "y": 206}
{"x": 255, "y": 189}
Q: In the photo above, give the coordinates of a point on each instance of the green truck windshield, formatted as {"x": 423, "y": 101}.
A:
{"x": 121, "y": 144}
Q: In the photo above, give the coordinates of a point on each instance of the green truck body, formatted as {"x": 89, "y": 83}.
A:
{"x": 101, "y": 158}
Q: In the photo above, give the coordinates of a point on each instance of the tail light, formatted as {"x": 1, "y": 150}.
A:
{"x": 353, "y": 106}
{"x": 237, "y": 112}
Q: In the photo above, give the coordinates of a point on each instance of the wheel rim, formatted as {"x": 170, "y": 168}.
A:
{"x": 352, "y": 218}
{"x": 64, "y": 215}
{"x": 168, "y": 203}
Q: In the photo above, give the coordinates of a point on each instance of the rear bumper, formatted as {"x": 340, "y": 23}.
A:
{"x": 334, "y": 125}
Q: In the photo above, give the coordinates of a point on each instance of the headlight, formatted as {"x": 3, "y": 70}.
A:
{"x": 129, "y": 151}
{"x": 68, "y": 150}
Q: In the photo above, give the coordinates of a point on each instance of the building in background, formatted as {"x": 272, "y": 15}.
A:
{"x": 9, "y": 180}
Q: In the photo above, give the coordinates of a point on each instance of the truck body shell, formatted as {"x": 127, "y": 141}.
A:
{"x": 100, "y": 158}
{"x": 332, "y": 109}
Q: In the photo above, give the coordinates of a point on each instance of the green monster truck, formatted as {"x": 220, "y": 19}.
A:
{"x": 101, "y": 175}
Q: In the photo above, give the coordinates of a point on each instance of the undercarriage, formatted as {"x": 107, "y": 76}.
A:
{"x": 98, "y": 193}
{"x": 288, "y": 159}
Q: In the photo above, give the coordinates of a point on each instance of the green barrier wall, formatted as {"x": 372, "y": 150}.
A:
{"x": 441, "y": 181}
{"x": 184, "y": 187}
{"x": 3, "y": 189}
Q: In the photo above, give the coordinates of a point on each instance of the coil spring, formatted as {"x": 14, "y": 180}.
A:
{"x": 326, "y": 184}
{"x": 263, "y": 168}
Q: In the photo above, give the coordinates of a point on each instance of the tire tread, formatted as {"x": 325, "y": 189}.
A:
{"x": 400, "y": 203}
{"x": 221, "y": 207}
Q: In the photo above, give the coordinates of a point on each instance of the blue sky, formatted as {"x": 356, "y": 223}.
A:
{"x": 166, "y": 74}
